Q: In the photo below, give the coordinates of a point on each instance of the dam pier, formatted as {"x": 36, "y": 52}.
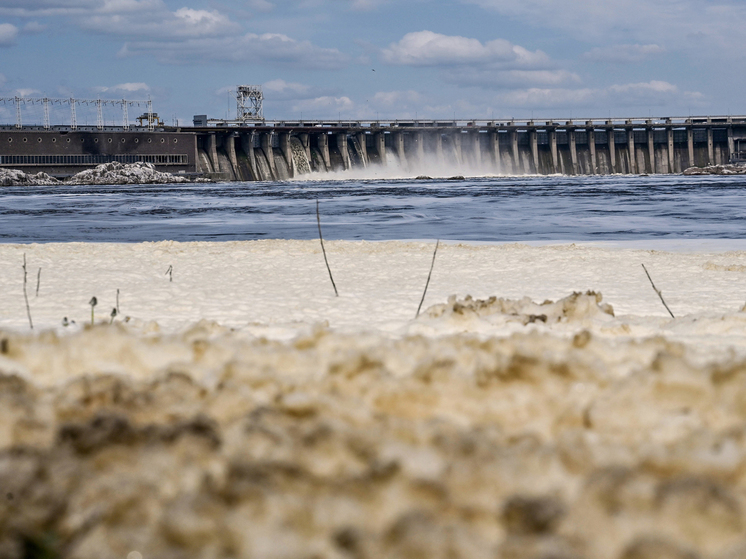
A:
{"x": 281, "y": 150}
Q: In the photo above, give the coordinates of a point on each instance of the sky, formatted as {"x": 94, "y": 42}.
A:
{"x": 377, "y": 59}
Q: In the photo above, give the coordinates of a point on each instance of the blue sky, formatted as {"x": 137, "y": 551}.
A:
{"x": 379, "y": 58}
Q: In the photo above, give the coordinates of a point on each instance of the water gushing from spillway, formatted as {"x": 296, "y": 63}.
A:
{"x": 302, "y": 165}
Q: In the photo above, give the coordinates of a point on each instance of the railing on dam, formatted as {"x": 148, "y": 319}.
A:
{"x": 486, "y": 123}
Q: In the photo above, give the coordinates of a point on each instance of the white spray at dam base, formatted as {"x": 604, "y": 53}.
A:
{"x": 429, "y": 166}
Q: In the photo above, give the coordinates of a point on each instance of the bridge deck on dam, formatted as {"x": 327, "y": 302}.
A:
{"x": 283, "y": 149}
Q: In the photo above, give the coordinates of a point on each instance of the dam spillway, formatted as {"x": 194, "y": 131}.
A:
{"x": 282, "y": 150}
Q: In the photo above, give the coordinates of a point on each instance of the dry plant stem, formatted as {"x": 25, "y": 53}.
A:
{"x": 117, "y": 301}
{"x": 170, "y": 273}
{"x": 93, "y": 302}
{"x": 657, "y": 291}
{"x": 25, "y": 295}
{"x": 38, "y": 281}
{"x": 427, "y": 283}
{"x": 318, "y": 222}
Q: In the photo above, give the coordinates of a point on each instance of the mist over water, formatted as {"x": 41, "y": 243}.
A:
{"x": 529, "y": 208}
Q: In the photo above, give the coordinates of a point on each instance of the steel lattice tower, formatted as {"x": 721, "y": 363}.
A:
{"x": 249, "y": 100}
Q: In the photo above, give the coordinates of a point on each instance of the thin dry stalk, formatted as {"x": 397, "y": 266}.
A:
{"x": 93, "y": 302}
{"x": 117, "y": 301}
{"x": 170, "y": 273}
{"x": 427, "y": 283}
{"x": 25, "y": 295}
{"x": 318, "y": 222}
{"x": 38, "y": 281}
{"x": 657, "y": 291}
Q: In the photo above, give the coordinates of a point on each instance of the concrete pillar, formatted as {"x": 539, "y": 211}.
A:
{"x": 514, "y": 148}
{"x": 631, "y": 149}
{"x": 343, "y": 151}
{"x": 671, "y": 154}
{"x": 380, "y": 139}
{"x": 195, "y": 156}
{"x": 534, "y": 141}
{"x": 212, "y": 150}
{"x": 651, "y": 150}
{"x": 266, "y": 139}
{"x": 247, "y": 145}
{"x": 592, "y": 146}
{"x": 495, "y": 150}
{"x": 363, "y": 142}
{"x": 573, "y": 150}
{"x": 553, "y": 149}
{"x": 612, "y": 148}
{"x": 731, "y": 144}
{"x": 476, "y": 146}
{"x": 690, "y": 145}
{"x": 710, "y": 147}
{"x": 230, "y": 148}
{"x": 286, "y": 152}
{"x": 419, "y": 139}
{"x": 322, "y": 142}
{"x": 399, "y": 148}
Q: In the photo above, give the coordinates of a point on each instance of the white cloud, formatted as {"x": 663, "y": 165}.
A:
{"x": 181, "y": 36}
{"x": 184, "y": 23}
{"x": 654, "y": 86}
{"x": 260, "y": 5}
{"x": 509, "y": 79}
{"x": 325, "y": 105}
{"x": 8, "y": 34}
{"x": 535, "y": 97}
{"x": 393, "y": 100}
{"x": 269, "y": 49}
{"x": 133, "y": 18}
{"x": 280, "y": 89}
{"x": 670, "y": 21}
{"x": 72, "y": 8}
{"x": 26, "y": 92}
{"x": 468, "y": 62}
{"x": 365, "y": 5}
{"x": 124, "y": 89}
{"x": 200, "y": 19}
{"x": 425, "y": 48}
{"x": 623, "y": 53}
{"x": 642, "y": 95}
{"x": 34, "y": 27}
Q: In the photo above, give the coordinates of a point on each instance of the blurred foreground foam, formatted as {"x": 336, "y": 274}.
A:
{"x": 560, "y": 439}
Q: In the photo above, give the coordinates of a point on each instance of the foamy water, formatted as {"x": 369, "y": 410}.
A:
{"x": 543, "y": 404}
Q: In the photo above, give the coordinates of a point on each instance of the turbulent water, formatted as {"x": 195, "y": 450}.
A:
{"x": 476, "y": 209}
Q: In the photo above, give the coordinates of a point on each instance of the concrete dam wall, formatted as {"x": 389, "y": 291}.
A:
{"x": 288, "y": 150}
{"x": 282, "y": 150}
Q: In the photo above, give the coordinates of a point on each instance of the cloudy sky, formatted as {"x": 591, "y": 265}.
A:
{"x": 380, "y": 58}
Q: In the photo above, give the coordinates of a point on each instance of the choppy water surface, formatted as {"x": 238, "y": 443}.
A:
{"x": 477, "y": 209}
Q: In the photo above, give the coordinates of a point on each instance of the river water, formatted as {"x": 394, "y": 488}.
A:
{"x": 595, "y": 208}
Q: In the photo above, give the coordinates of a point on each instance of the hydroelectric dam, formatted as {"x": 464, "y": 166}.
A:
{"x": 284, "y": 149}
